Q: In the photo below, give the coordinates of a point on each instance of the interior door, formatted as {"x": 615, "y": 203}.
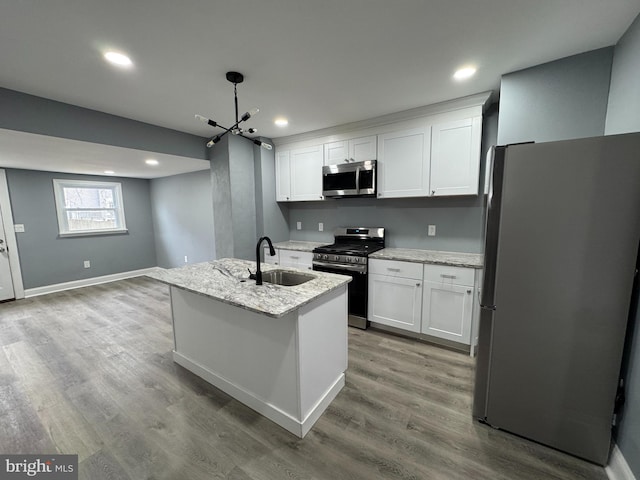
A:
{"x": 6, "y": 282}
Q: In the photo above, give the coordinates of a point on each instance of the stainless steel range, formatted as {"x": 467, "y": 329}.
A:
{"x": 348, "y": 255}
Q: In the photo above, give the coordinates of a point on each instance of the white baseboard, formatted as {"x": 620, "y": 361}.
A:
{"x": 59, "y": 287}
{"x": 298, "y": 427}
{"x": 618, "y": 468}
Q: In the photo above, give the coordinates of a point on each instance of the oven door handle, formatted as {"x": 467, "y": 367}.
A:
{"x": 342, "y": 266}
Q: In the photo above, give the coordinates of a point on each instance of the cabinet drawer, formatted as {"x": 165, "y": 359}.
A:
{"x": 394, "y": 268}
{"x": 295, "y": 259}
{"x": 448, "y": 274}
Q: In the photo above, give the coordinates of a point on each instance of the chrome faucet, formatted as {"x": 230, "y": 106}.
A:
{"x": 258, "y": 275}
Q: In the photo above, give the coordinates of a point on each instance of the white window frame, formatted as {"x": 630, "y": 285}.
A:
{"x": 63, "y": 227}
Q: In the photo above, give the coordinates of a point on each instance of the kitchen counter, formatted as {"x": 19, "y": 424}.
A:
{"x": 282, "y": 351}
{"x": 456, "y": 259}
{"x": 227, "y": 280}
{"x": 299, "y": 246}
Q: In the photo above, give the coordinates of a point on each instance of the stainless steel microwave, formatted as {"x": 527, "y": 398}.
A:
{"x": 357, "y": 179}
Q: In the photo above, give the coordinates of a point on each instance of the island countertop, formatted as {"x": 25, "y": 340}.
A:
{"x": 227, "y": 280}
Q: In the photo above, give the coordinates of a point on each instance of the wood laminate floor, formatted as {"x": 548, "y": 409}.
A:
{"x": 89, "y": 371}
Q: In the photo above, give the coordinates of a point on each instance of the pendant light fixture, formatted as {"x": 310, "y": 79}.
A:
{"x": 235, "y": 129}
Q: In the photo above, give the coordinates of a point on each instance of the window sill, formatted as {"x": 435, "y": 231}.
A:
{"x": 93, "y": 234}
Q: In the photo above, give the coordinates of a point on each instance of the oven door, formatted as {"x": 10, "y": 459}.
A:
{"x": 357, "y": 289}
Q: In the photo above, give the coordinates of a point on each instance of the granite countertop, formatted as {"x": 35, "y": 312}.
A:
{"x": 299, "y": 246}
{"x": 456, "y": 259}
{"x": 227, "y": 280}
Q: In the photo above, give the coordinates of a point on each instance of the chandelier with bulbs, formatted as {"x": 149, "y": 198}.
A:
{"x": 235, "y": 129}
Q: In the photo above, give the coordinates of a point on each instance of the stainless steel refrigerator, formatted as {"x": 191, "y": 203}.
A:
{"x": 562, "y": 236}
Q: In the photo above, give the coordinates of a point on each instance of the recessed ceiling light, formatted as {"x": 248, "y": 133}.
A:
{"x": 119, "y": 59}
{"x": 151, "y": 161}
{"x": 464, "y": 73}
{"x": 109, "y": 172}
{"x": 281, "y": 122}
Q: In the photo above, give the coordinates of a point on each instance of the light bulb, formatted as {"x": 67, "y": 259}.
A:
{"x": 201, "y": 118}
{"x": 253, "y": 111}
{"x": 266, "y": 145}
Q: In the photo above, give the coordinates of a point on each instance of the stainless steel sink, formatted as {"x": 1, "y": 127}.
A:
{"x": 286, "y": 278}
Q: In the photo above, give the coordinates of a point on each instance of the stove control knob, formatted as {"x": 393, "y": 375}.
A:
{"x": 325, "y": 257}
{"x": 336, "y": 258}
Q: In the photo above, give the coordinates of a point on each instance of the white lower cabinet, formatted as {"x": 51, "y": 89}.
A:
{"x": 295, "y": 259}
{"x": 395, "y": 294}
{"x": 270, "y": 259}
{"x": 447, "y": 302}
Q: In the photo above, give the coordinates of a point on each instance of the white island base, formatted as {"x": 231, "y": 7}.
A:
{"x": 288, "y": 369}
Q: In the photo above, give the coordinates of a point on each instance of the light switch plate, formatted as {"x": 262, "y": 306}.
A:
{"x": 299, "y": 225}
{"x": 320, "y": 227}
{"x": 18, "y": 228}
{"x": 432, "y": 231}
{"x": 87, "y": 264}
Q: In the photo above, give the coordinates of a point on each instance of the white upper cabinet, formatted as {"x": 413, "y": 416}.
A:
{"x": 306, "y": 173}
{"x": 403, "y": 163}
{"x": 455, "y": 157}
{"x": 283, "y": 176}
{"x": 347, "y": 151}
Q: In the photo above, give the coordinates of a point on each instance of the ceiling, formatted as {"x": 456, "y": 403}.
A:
{"x": 319, "y": 64}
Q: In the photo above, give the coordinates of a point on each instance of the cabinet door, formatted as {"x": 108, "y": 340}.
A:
{"x": 363, "y": 149}
{"x": 306, "y": 173}
{"x": 273, "y": 260}
{"x": 403, "y": 163}
{"x": 455, "y": 157}
{"x": 336, "y": 152}
{"x": 283, "y": 176}
{"x": 394, "y": 301}
{"x": 295, "y": 259}
{"x": 447, "y": 311}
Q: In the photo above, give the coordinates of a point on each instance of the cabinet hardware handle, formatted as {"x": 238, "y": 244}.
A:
{"x": 393, "y": 269}
{"x": 433, "y": 192}
{"x": 417, "y": 284}
{"x": 469, "y": 292}
{"x": 448, "y": 276}
{"x": 295, "y": 258}
{"x": 1, "y": 250}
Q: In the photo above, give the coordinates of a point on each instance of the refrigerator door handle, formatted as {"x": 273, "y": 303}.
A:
{"x": 492, "y": 227}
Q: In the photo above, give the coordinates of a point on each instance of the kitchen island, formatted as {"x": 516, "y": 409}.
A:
{"x": 281, "y": 350}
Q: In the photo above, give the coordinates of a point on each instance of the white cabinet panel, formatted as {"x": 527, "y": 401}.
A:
{"x": 447, "y": 311}
{"x": 363, "y": 149}
{"x": 447, "y": 302}
{"x": 336, "y": 152}
{"x": 306, "y": 173}
{"x": 394, "y": 268}
{"x": 295, "y": 259}
{"x": 283, "y": 176}
{"x": 268, "y": 258}
{"x": 354, "y": 150}
{"x": 455, "y": 157}
{"x": 403, "y": 163}
{"x": 395, "y": 301}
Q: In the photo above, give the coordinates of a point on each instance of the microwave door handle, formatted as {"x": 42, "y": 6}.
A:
{"x": 358, "y": 179}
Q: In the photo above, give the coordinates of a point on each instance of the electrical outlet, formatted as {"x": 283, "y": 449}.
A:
{"x": 87, "y": 264}
{"x": 432, "y": 231}
{"x": 321, "y": 227}
{"x": 186, "y": 260}
{"x": 299, "y": 225}
{"x": 18, "y": 228}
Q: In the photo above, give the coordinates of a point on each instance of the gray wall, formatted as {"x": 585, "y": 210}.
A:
{"x": 557, "y": 100}
{"x": 234, "y": 198}
{"x": 46, "y": 259}
{"x": 623, "y": 116}
{"x": 183, "y": 219}
{"x": 272, "y": 218}
{"x": 458, "y": 221}
{"x": 28, "y": 113}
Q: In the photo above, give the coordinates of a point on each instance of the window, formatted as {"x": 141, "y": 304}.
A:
{"x": 89, "y": 207}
